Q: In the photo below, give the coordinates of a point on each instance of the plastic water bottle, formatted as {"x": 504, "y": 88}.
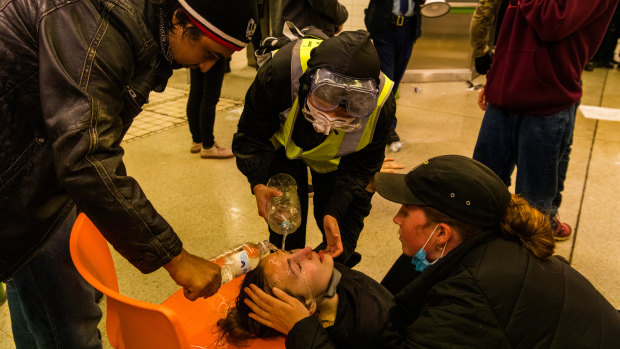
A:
{"x": 284, "y": 212}
{"x": 242, "y": 258}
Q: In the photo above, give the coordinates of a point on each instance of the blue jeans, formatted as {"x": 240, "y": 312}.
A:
{"x": 51, "y": 305}
{"x": 537, "y": 145}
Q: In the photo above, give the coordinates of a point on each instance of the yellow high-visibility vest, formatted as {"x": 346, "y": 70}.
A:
{"x": 326, "y": 156}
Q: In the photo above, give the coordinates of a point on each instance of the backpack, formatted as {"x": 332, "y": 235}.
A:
{"x": 270, "y": 45}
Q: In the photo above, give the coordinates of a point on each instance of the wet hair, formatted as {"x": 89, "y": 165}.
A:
{"x": 189, "y": 28}
{"x": 521, "y": 221}
{"x": 237, "y": 327}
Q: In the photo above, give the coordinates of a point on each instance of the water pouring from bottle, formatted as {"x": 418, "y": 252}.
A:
{"x": 284, "y": 212}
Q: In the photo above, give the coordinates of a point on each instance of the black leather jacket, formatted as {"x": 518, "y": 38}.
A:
{"x": 73, "y": 75}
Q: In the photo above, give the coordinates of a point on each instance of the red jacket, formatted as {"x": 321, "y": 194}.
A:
{"x": 542, "y": 48}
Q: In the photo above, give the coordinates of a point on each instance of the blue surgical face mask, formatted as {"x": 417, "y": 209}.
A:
{"x": 419, "y": 259}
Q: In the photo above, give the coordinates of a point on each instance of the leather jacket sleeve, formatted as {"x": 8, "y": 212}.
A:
{"x": 85, "y": 72}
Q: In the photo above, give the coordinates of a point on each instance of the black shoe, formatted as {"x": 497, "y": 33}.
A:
{"x": 590, "y": 66}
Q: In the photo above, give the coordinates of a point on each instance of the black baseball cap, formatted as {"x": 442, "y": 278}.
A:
{"x": 456, "y": 185}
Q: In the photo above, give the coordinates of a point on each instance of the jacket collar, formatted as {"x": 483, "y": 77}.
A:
{"x": 410, "y": 299}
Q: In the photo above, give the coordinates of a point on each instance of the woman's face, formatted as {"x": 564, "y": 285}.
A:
{"x": 413, "y": 228}
{"x": 301, "y": 273}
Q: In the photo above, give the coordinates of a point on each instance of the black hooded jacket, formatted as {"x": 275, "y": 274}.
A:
{"x": 270, "y": 95}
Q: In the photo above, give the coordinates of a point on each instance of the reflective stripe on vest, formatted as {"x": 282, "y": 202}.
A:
{"x": 326, "y": 156}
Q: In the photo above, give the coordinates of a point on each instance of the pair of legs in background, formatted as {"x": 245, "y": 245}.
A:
{"x": 351, "y": 224}
{"x": 539, "y": 147}
{"x": 50, "y": 304}
{"x": 204, "y": 93}
{"x": 394, "y": 54}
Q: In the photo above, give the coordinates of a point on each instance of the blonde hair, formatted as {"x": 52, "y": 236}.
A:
{"x": 530, "y": 226}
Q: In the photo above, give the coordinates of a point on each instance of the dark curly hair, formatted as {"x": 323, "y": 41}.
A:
{"x": 237, "y": 327}
{"x": 188, "y": 27}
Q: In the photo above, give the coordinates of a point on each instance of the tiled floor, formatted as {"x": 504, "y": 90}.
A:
{"x": 166, "y": 110}
{"x": 209, "y": 203}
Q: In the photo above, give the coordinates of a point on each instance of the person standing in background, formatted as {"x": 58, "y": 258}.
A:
{"x": 483, "y": 30}
{"x": 204, "y": 93}
{"x": 532, "y": 92}
{"x": 73, "y": 75}
{"x": 604, "y": 57}
{"x": 394, "y": 27}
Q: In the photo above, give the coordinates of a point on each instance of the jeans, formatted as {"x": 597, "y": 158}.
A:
{"x": 537, "y": 145}
{"x": 394, "y": 54}
{"x": 51, "y": 305}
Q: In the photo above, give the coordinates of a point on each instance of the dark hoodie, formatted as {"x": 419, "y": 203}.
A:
{"x": 351, "y": 54}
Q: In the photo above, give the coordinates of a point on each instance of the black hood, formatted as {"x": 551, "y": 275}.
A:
{"x": 350, "y": 53}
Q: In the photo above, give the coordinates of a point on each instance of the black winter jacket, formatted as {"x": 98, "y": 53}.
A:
{"x": 361, "y": 319}
{"x": 265, "y": 103}
{"x": 73, "y": 75}
{"x": 491, "y": 293}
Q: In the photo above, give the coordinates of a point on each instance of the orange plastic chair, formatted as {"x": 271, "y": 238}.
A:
{"x": 177, "y": 323}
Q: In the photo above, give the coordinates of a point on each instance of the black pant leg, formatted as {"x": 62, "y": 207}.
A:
{"x": 194, "y": 101}
{"x": 351, "y": 224}
{"x": 212, "y": 88}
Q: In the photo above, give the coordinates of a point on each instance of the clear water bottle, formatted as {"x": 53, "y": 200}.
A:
{"x": 284, "y": 212}
{"x": 242, "y": 258}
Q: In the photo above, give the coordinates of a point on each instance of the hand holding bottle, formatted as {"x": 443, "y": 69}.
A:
{"x": 197, "y": 276}
{"x": 263, "y": 195}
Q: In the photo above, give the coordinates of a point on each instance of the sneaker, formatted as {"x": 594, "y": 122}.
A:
{"x": 195, "y": 147}
{"x": 561, "y": 231}
{"x": 216, "y": 152}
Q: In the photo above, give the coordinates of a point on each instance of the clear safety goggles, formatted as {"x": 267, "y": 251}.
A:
{"x": 328, "y": 90}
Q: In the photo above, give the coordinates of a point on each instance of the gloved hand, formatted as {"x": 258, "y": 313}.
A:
{"x": 483, "y": 63}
